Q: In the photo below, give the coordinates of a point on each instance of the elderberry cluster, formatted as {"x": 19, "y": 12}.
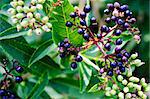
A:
{"x": 8, "y": 77}
{"x": 67, "y": 49}
{"x": 28, "y": 16}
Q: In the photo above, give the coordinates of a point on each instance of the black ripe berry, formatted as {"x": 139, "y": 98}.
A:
{"x": 132, "y": 20}
{"x": 127, "y": 54}
{"x": 119, "y": 55}
{"x": 128, "y": 13}
{"x": 18, "y": 79}
{"x": 107, "y": 46}
{"x": 99, "y": 36}
{"x": 2, "y": 92}
{"x": 124, "y": 59}
{"x": 69, "y": 24}
{"x": 86, "y": 36}
{"x": 87, "y": 9}
{"x": 126, "y": 25}
{"x": 78, "y": 58}
{"x": 110, "y": 73}
{"x": 94, "y": 27}
{"x": 106, "y": 11}
{"x": 110, "y": 6}
{"x": 73, "y": 65}
{"x": 119, "y": 41}
{"x": 123, "y": 8}
{"x": 119, "y": 64}
{"x": 73, "y": 14}
{"x": 117, "y": 32}
{"x": 104, "y": 28}
{"x": 83, "y": 22}
{"x": 93, "y": 20}
{"x": 19, "y": 69}
{"x": 62, "y": 55}
{"x": 117, "y": 50}
{"x": 113, "y": 18}
{"x": 122, "y": 69}
{"x": 113, "y": 64}
{"x": 117, "y": 5}
{"x": 61, "y": 44}
{"x": 82, "y": 15}
{"x": 80, "y": 31}
{"x": 108, "y": 20}
{"x": 120, "y": 21}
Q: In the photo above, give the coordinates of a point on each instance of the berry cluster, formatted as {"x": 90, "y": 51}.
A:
{"x": 8, "y": 77}
{"x": 28, "y": 16}
{"x": 66, "y": 49}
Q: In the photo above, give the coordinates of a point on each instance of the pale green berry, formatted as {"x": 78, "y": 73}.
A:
{"x": 129, "y": 73}
{"x": 12, "y": 11}
{"x": 130, "y": 85}
{"x": 19, "y": 15}
{"x": 19, "y": 9}
{"x": 107, "y": 93}
{"x": 33, "y": 2}
{"x": 29, "y": 33}
{"x": 29, "y": 15}
{"x": 144, "y": 96}
{"x": 33, "y": 9}
{"x": 144, "y": 85}
{"x": 134, "y": 56}
{"x": 120, "y": 78}
{"x": 39, "y": 6}
{"x": 20, "y": 2}
{"x": 45, "y": 19}
{"x": 32, "y": 20}
{"x": 24, "y": 23}
{"x": 19, "y": 27}
{"x": 26, "y": 9}
{"x": 124, "y": 82}
{"x": 126, "y": 89}
{"x": 107, "y": 88}
{"x": 140, "y": 93}
{"x": 14, "y": 20}
{"x": 41, "y": 1}
{"x": 38, "y": 31}
{"x": 138, "y": 62}
{"x": 128, "y": 96}
{"x": 134, "y": 79}
{"x": 37, "y": 15}
{"x": 115, "y": 87}
{"x": 142, "y": 80}
{"x": 49, "y": 25}
{"x": 138, "y": 87}
{"x": 147, "y": 88}
{"x": 45, "y": 28}
{"x": 121, "y": 95}
{"x": 14, "y": 4}
{"x": 112, "y": 92}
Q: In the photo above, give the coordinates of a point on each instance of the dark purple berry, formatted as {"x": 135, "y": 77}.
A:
{"x": 126, "y": 25}
{"x": 66, "y": 40}
{"x": 69, "y": 24}
{"x": 83, "y": 22}
{"x": 110, "y": 73}
{"x": 82, "y": 15}
{"x": 127, "y": 54}
{"x": 128, "y": 13}
{"x": 117, "y": 5}
{"x": 87, "y": 9}
{"x": 73, "y": 14}
{"x": 93, "y": 20}
{"x": 104, "y": 28}
{"x": 73, "y": 65}
{"x": 62, "y": 55}
{"x": 94, "y": 27}
{"x": 18, "y": 79}
{"x": 78, "y": 58}
{"x": 108, "y": 20}
{"x": 123, "y": 8}
{"x": 2, "y": 92}
{"x": 113, "y": 18}
{"x": 110, "y": 6}
{"x": 80, "y": 31}
{"x": 132, "y": 20}
{"x": 86, "y": 36}
{"x": 107, "y": 46}
{"x": 124, "y": 59}
{"x": 117, "y": 50}
{"x": 106, "y": 11}
{"x": 61, "y": 44}
{"x": 67, "y": 45}
{"x": 119, "y": 55}
{"x": 122, "y": 69}
{"x": 117, "y": 32}
{"x": 113, "y": 64}
{"x": 119, "y": 64}
{"x": 99, "y": 36}
{"x": 120, "y": 21}
{"x": 119, "y": 41}
{"x": 19, "y": 69}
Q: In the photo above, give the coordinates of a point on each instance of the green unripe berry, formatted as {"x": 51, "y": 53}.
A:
{"x": 142, "y": 80}
{"x": 19, "y": 27}
{"x": 13, "y": 4}
{"x": 19, "y": 9}
{"x": 19, "y": 15}
{"x": 37, "y": 15}
{"x": 24, "y": 23}
{"x": 20, "y": 2}
{"x": 134, "y": 79}
{"x": 107, "y": 88}
{"x": 45, "y": 28}
{"x": 41, "y": 1}
{"x": 107, "y": 93}
{"x": 144, "y": 96}
{"x": 115, "y": 87}
{"x": 124, "y": 82}
{"x": 45, "y": 19}
{"x": 38, "y": 31}
{"x": 112, "y": 92}
{"x": 49, "y": 25}
{"x": 129, "y": 73}
{"x": 14, "y": 20}
{"x": 121, "y": 95}
{"x": 140, "y": 93}
{"x": 33, "y": 2}
{"x": 39, "y": 6}
{"x": 126, "y": 89}
{"x": 144, "y": 85}
{"x": 29, "y": 15}
{"x": 29, "y": 33}
{"x": 130, "y": 85}
{"x": 147, "y": 88}
{"x": 33, "y": 9}
{"x": 120, "y": 78}
{"x": 26, "y": 9}
{"x": 12, "y": 11}
{"x": 128, "y": 96}
{"x": 138, "y": 62}
{"x": 134, "y": 56}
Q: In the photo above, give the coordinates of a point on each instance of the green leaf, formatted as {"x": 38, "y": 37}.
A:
{"x": 11, "y": 33}
{"x": 85, "y": 76}
{"x": 39, "y": 86}
{"x": 40, "y": 52}
{"x": 3, "y": 24}
{"x": 60, "y": 31}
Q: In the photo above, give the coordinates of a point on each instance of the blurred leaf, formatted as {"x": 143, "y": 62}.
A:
{"x": 95, "y": 88}
{"x": 85, "y": 76}
{"x": 4, "y": 24}
{"x": 60, "y": 31}
{"x": 39, "y": 86}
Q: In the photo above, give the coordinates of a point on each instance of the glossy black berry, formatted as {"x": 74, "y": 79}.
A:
{"x": 61, "y": 44}
{"x": 117, "y": 32}
{"x": 87, "y": 9}
{"x": 120, "y": 21}
{"x": 18, "y": 79}
{"x": 127, "y": 54}
{"x": 113, "y": 18}
{"x": 122, "y": 69}
{"x": 67, "y": 45}
{"x": 128, "y": 13}
{"x": 73, "y": 65}
{"x": 119, "y": 64}
{"x": 94, "y": 27}
{"x": 117, "y": 50}
{"x": 104, "y": 28}
{"x": 86, "y": 36}
{"x": 2, "y": 92}
{"x": 106, "y": 11}
{"x": 108, "y": 20}
{"x": 126, "y": 25}
{"x": 110, "y": 73}
{"x": 117, "y": 5}
{"x": 110, "y": 6}
{"x": 93, "y": 20}
{"x": 82, "y": 15}
{"x": 69, "y": 24}
{"x": 83, "y": 22}
{"x": 132, "y": 20}
{"x": 62, "y": 55}
{"x": 78, "y": 58}
{"x": 119, "y": 41}
{"x": 119, "y": 55}
{"x": 66, "y": 40}
{"x": 113, "y": 64}
{"x": 80, "y": 31}
{"x": 123, "y": 8}
{"x": 99, "y": 36}
{"x": 124, "y": 59}
{"x": 73, "y": 14}
{"x": 107, "y": 46}
{"x": 19, "y": 69}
